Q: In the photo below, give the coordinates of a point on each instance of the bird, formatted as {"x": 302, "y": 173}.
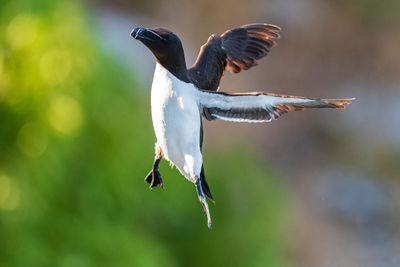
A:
{"x": 180, "y": 96}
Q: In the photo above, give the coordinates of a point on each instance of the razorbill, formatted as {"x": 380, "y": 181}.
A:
{"x": 180, "y": 95}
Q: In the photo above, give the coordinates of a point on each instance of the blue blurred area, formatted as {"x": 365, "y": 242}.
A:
{"x": 75, "y": 144}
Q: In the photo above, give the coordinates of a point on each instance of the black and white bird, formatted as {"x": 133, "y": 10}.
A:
{"x": 180, "y": 95}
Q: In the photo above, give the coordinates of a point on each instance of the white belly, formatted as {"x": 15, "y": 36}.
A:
{"x": 176, "y": 121}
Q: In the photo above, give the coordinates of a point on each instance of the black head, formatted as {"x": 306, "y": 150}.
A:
{"x": 166, "y": 47}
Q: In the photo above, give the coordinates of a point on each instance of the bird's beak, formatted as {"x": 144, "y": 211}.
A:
{"x": 136, "y": 32}
{"x": 144, "y": 34}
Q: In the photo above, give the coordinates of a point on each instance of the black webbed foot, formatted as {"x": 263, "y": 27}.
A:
{"x": 154, "y": 176}
{"x": 154, "y": 179}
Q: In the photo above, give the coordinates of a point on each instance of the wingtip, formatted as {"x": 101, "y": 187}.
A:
{"x": 267, "y": 25}
{"x": 340, "y": 103}
{"x": 275, "y": 27}
{"x": 273, "y": 30}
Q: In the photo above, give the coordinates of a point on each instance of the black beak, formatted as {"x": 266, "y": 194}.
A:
{"x": 144, "y": 34}
{"x": 136, "y": 31}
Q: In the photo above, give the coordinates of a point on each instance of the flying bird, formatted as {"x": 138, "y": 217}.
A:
{"x": 181, "y": 95}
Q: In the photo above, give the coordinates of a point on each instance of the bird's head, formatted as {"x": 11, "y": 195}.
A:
{"x": 164, "y": 44}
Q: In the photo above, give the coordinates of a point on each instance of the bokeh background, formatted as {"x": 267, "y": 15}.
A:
{"x": 315, "y": 188}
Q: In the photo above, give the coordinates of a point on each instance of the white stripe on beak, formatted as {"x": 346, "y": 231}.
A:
{"x": 156, "y": 34}
{"x": 137, "y": 33}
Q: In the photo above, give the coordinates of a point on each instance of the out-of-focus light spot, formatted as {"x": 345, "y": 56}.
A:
{"x": 70, "y": 25}
{"x": 55, "y": 66}
{"x": 22, "y": 30}
{"x": 65, "y": 115}
{"x": 9, "y": 193}
{"x": 32, "y": 139}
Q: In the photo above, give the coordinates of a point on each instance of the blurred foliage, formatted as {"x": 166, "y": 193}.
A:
{"x": 75, "y": 144}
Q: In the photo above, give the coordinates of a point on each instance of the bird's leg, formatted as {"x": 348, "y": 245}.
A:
{"x": 200, "y": 194}
{"x": 154, "y": 176}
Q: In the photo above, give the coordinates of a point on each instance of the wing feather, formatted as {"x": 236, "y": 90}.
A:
{"x": 259, "y": 107}
{"x": 236, "y": 49}
{"x": 258, "y": 37}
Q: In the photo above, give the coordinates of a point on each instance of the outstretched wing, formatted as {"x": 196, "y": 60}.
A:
{"x": 237, "y": 49}
{"x": 260, "y": 107}
{"x": 245, "y": 45}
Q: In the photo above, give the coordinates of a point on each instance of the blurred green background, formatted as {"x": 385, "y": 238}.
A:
{"x": 76, "y": 140}
{"x": 75, "y": 144}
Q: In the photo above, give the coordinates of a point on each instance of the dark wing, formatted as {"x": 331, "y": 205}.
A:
{"x": 210, "y": 65}
{"x": 237, "y": 49}
{"x": 245, "y": 45}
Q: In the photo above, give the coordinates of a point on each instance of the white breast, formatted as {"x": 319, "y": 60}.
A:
{"x": 176, "y": 121}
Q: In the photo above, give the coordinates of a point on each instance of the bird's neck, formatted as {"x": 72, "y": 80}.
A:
{"x": 175, "y": 65}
